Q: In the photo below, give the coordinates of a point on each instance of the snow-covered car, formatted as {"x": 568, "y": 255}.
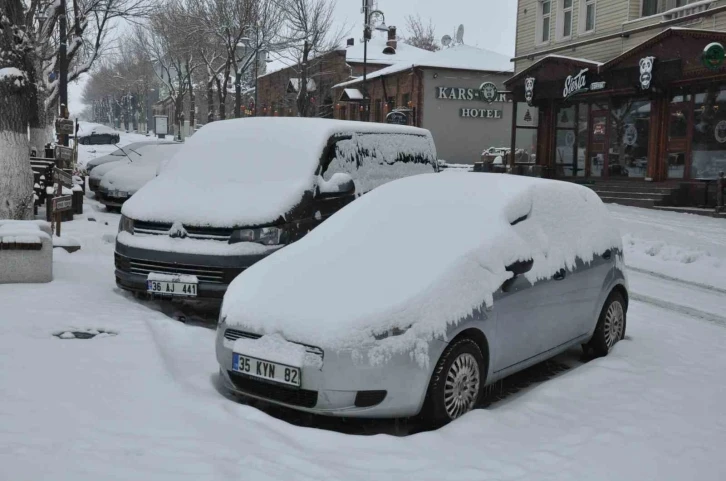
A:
{"x": 98, "y": 134}
{"x": 241, "y": 189}
{"x": 421, "y": 293}
{"x": 121, "y": 183}
{"x": 118, "y": 154}
{"x": 129, "y": 153}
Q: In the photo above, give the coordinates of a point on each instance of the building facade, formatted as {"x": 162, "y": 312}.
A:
{"x": 618, "y": 89}
{"x": 457, "y": 94}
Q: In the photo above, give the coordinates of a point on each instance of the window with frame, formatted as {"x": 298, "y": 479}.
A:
{"x": 654, "y": 7}
{"x": 587, "y": 16}
{"x": 543, "y": 22}
{"x": 405, "y": 99}
{"x": 649, "y": 7}
{"x": 565, "y": 14}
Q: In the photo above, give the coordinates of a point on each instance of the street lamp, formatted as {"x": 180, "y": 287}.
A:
{"x": 368, "y": 14}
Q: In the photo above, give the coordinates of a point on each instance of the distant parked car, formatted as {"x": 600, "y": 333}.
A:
{"x": 120, "y": 153}
{"x": 417, "y": 296}
{"x": 119, "y": 184}
{"x": 98, "y": 134}
{"x": 242, "y": 189}
{"x": 128, "y": 154}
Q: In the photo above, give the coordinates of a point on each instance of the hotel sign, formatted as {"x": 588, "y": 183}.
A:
{"x": 487, "y": 92}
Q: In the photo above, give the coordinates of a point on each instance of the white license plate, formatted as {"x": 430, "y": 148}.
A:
{"x": 271, "y": 371}
{"x": 172, "y": 288}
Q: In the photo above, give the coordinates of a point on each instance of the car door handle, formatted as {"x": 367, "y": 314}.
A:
{"x": 607, "y": 254}
{"x": 559, "y": 275}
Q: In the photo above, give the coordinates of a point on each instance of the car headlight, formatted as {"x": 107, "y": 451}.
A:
{"x": 396, "y": 331}
{"x": 268, "y": 236}
{"x": 126, "y": 225}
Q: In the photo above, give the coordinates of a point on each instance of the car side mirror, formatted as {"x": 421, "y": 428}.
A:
{"x": 339, "y": 184}
{"x": 520, "y": 267}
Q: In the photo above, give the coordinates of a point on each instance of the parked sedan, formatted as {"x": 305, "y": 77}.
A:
{"x": 416, "y": 296}
{"x": 98, "y": 134}
{"x": 120, "y": 153}
{"x": 121, "y": 183}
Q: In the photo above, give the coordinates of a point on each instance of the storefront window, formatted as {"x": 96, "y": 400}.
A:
{"x": 565, "y": 158}
{"x": 709, "y": 134}
{"x": 629, "y": 135}
{"x": 583, "y": 114}
{"x": 678, "y": 128}
{"x": 598, "y": 138}
{"x": 525, "y": 142}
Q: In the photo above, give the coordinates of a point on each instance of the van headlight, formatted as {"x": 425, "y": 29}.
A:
{"x": 396, "y": 331}
{"x": 126, "y": 225}
{"x": 268, "y": 236}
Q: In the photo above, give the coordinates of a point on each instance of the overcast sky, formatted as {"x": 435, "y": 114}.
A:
{"x": 487, "y": 24}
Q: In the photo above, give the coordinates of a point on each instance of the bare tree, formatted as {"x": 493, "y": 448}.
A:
{"x": 420, "y": 34}
{"x": 88, "y": 26}
{"x": 311, "y": 34}
{"x": 17, "y": 97}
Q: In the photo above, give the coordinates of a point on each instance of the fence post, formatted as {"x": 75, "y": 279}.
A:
{"x": 719, "y": 192}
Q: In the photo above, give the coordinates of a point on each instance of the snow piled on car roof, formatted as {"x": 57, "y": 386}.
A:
{"x": 243, "y": 172}
{"x": 425, "y": 251}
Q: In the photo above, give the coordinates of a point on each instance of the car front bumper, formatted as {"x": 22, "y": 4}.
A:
{"x": 94, "y": 184}
{"x": 214, "y": 272}
{"x": 343, "y": 386}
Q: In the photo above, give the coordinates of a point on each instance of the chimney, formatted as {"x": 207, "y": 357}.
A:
{"x": 392, "y": 42}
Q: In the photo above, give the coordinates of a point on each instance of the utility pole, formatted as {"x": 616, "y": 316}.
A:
{"x": 63, "y": 80}
{"x": 366, "y": 37}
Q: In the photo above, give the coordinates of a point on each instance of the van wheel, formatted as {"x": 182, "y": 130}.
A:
{"x": 610, "y": 325}
{"x": 457, "y": 383}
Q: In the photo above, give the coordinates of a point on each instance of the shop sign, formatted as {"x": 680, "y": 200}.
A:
{"x": 720, "y": 132}
{"x": 529, "y": 90}
{"x": 64, "y": 126}
{"x": 713, "y": 56}
{"x": 646, "y": 72}
{"x": 575, "y": 84}
{"x": 481, "y": 113}
{"x": 487, "y": 92}
{"x": 597, "y": 86}
{"x": 398, "y": 118}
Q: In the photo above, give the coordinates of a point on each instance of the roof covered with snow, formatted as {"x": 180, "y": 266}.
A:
{"x": 354, "y": 54}
{"x": 461, "y": 57}
{"x": 243, "y": 172}
{"x": 408, "y": 254}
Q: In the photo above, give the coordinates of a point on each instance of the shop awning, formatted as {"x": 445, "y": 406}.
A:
{"x": 351, "y": 95}
{"x": 552, "y": 67}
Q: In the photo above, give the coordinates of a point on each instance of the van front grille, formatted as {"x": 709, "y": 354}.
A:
{"x": 207, "y": 233}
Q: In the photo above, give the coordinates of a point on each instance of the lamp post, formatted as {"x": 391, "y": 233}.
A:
{"x": 63, "y": 81}
{"x": 367, "y": 34}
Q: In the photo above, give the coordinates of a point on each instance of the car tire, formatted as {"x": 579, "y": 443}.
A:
{"x": 610, "y": 326}
{"x": 456, "y": 384}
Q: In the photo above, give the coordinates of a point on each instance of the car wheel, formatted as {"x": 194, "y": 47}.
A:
{"x": 456, "y": 384}
{"x": 610, "y": 325}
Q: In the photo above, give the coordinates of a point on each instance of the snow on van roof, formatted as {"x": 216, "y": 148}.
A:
{"x": 424, "y": 251}
{"x": 243, "y": 172}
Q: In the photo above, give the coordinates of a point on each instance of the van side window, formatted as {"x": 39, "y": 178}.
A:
{"x": 373, "y": 159}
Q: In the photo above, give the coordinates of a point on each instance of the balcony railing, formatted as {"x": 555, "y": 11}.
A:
{"x": 686, "y": 10}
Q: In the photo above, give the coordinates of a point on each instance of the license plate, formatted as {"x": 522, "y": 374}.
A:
{"x": 172, "y": 288}
{"x": 271, "y": 371}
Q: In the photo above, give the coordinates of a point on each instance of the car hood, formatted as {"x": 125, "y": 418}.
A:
{"x": 129, "y": 177}
{"x": 101, "y": 170}
{"x": 170, "y": 198}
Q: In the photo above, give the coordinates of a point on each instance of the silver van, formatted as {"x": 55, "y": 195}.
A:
{"x": 242, "y": 189}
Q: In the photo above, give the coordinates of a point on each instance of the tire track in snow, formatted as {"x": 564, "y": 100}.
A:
{"x": 677, "y": 280}
{"x": 688, "y": 311}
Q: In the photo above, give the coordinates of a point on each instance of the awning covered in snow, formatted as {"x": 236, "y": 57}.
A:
{"x": 351, "y": 95}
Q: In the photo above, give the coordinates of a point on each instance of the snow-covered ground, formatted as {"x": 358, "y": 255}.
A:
{"x": 140, "y": 401}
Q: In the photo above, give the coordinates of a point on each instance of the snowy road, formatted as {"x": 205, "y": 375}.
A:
{"x": 143, "y": 404}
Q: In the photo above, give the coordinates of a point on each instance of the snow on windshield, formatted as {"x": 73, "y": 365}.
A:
{"x": 425, "y": 251}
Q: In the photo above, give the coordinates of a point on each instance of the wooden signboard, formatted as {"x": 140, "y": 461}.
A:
{"x": 398, "y": 118}
{"x": 65, "y": 126}
{"x": 61, "y": 204}
{"x": 63, "y": 177}
{"x": 63, "y": 153}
